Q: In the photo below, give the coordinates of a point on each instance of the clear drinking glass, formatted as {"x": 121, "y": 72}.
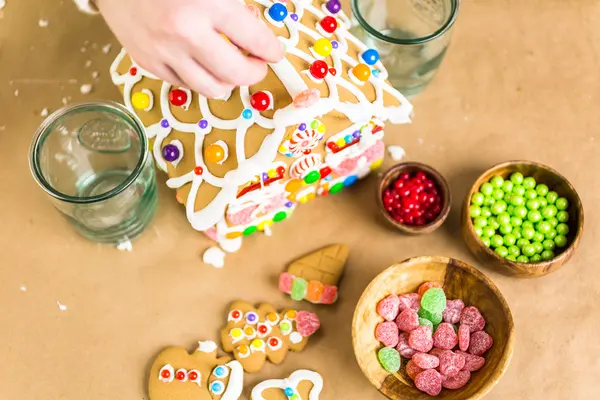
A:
{"x": 411, "y": 37}
{"x": 92, "y": 159}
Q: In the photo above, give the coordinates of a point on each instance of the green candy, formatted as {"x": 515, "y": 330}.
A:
{"x": 498, "y": 194}
{"x": 478, "y": 231}
{"x": 536, "y": 258}
{"x": 389, "y": 359}
{"x": 562, "y": 203}
{"x": 552, "y": 197}
{"x": 506, "y": 229}
{"x": 514, "y": 251}
{"x": 547, "y": 255}
{"x": 519, "y": 191}
{"x": 538, "y": 247}
{"x": 522, "y": 243}
{"x": 543, "y": 202}
{"x": 542, "y": 190}
{"x": 486, "y": 241}
{"x": 501, "y": 251}
{"x": 527, "y": 224}
{"x": 488, "y": 201}
{"x": 510, "y": 209}
{"x": 477, "y": 199}
{"x": 507, "y": 197}
{"x": 485, "y": 212}
{"x": 496, "y": 241}
{"x": 498, "y": 207}
{"x": 527, "y": 233}
{"x": 497, "y": 181}
{"x": 562, "y": 216}
{"x": 517, "y": 233}
{"x": 553, "y": 222}
{"x": 426, "y": 322}
{"x": 503, "y": 218}
{"x": 509, "y": 240}
{"x": 523, "y": 259}
{"x": 538, "y": 237}
{"x": 516, "y": 178}
{"x": 562, "y": 229}
{"x": 488, "y": 231}
{"x": 528, "y": 250}
{"x": 516, "y": 221}
{"x": 480, "y": 222}
{"x": 510, "y": 257}
{"x": 520, "y": 211}
{"x": 493, "y": 222}
{"x": 474, "y": 211}
{"x": 549, "y": 244}
{"x": 507, "y": 186}
{"x": 533, "y": 204}
{"x": 530, "y": 194}
{"x": 560, "y": 240}
{"x": 529, "y": 183}
{"x": 549, "y": 211}
{"x": 517, "y": 200}
{"x": 299, "y": 286}
{"x": 487, "y": 189}
{"x": 435, "y": 318}
{"x": 550, "y": 235}
{"x": 434, "y": 300}
{"x": 534, "y": 216}
{"x": 544, "y": 227}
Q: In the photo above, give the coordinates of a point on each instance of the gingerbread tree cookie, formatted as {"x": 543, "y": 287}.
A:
{"x": 178, "y": 375}
{"x": 315, "y": 276}
{"x": 301, "y": 385}
{"x": 255, "y": 335}
{"x": 313, "y": 126}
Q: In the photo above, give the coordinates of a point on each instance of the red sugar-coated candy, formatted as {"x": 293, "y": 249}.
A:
{"x": 421, "y": 339}
{"x": 457, "y": 381}
{"x": 451, "y": 363}
{"x": 389, "y": 307}
{"x": 403, "y": 347}
{"x": 387, "y": 333}
{"x": 307, "y": 323}
{"x": 407, "y": 320}
{"x": 330, "y": 294}
{"x": 428, "y": 285}
{"x": 464, "y": 337}
{"x": 472, "y": 363}
{"x": 425, "y": 361}
{"x": 412, "y": 370}
{"x": 436, "y": 352}
{"x": 480, "y": 343}
{"x": 445, "y": 337}
{"x": 472, "y": 317}
{"x": 453, "y": 311}
{"x": 429, "y": 381}
{"x": 410, "y": 300}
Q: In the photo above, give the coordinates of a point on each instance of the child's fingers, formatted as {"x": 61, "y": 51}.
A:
{"x": 197, "y": 78}
{"x": 248, "y": 32}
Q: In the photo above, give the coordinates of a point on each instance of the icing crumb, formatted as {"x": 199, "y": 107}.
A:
{"x": 64, "y": 101}
{"x": 88, "y": 63}
{"x": 61, "y": 307}
{"x": 44, "y": 112}
{"x": 396, "y": 152}
{"x": 23, "y": 288}
{"x": 420, "y": 140}
{"x": 214, "y": 256}
{"x": 43, "y": 23}
{"x": 83, "y": 49}
{"x": 106, "y": 48}
{"x": 2, "y": 128}
{"x": 17, "y": 93}
{"x": 95, "y": 74}
{"x": 85, "y": 88}
{"x": 125, "y": 246}
{"x": 2, "y": 4}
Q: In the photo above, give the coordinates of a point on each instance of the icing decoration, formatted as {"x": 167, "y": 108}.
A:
{"x": 181, "y": 375}
{"x": 318, "y": 70}
{"x": 247, "y": 114}
{"x": 195, "y": 376}
{"x": 263, "y": 329}
{"x": 276, "y": 14}
{"x": 216, "y": 153}
{"x": 217, "y": 388}
{"x": 170, "y": 152}
{"x": 237, "y": 334}
{"x": 328, "y": 24}
{"x": 262, "y": 101}
{"x": 133, "y": 71}
{"x": 274, "y": 343}
{"x": 307, "y": 98}
{"x": 207, "y": 346}
{"x": 203, "y": 124}
{"x": 295, "y": 337}
{"x": 257, "y": 345}
{"x": 294, "y": 17}
{"x": 322, "y": 47}
{"x": 289, "y": 386}
{"x": 251, "y": 317}
{"x": 361, "y": 73}
{"x": 370, "y": 57}
{"x": 313, "y": 291}
{"x": 235, "y": 316}
{"x": 166, "y": 374}
{"x": 302, "y": 166}
{"x": 179, "y": 97}
{"x": 272, "y": 318}
{"x": 262, "y": 183}
{"x": 143, "y": 100}
{"x": 333, "y": 6}
{"x": 221, "y": 372}
{"x": 291, "y": 315}
{"x": 303, "y": 141}
{"x": 285, "y": 327}
{"x": 198, "y": 170}
{"x": 236, "y": 381}
{"x": 243, "y": 351}
{"x": 249, "y": 332}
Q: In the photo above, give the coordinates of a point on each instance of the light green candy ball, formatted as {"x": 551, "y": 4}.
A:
{"x": 389, "y": 359}
{"x": 434, "y": 300}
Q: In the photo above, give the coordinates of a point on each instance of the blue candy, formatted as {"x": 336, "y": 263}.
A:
{"x": 278, "y": 12}
{"x": 370, "y": 56}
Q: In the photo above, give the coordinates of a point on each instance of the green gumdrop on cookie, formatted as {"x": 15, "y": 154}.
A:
{"x": 435, "y": 318}
{"x": 426, "y": 322}
{"x": 299, "y": 286}
{"x": 434, "y": 300}
{"x": 389, "y": 359}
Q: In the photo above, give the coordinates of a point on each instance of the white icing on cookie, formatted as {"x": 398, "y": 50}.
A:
{"x": 207, "y": 346}
{"x": 214, "y": 256}
{"x": 236, "y": 381}
{"x": 291, "y": 383}
{"x": 295, "y": 337}
{"x": 170, "y": 376}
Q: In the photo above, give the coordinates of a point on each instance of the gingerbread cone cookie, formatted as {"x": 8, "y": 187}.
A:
{"x": 315, "y": 276}
{"x": 178, "y": 375}
{"x": 256, "y": 335}
{"x": 301, "y": 385}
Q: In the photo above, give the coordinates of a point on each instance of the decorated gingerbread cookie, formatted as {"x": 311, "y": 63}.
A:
{"x": 315, "y": 276}
{"x": 255, "y": 335}
{"x": 178, "y": 375}
{"x": 301, "y": 385}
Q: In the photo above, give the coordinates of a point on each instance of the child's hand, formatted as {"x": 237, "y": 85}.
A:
{"x": 180, "y": 41}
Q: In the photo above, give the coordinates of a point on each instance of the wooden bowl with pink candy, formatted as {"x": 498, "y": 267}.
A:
{"x": 433, "y": 326}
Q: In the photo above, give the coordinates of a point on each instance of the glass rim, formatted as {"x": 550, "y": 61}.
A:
{"x": 45, "y": 129}
{"x": 423, "y": 39}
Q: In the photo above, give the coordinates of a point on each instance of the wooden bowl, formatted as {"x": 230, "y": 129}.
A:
{"x": 412, "y": 167}
{"x": 555, "y": 181}
{"x": 461, "y": 281}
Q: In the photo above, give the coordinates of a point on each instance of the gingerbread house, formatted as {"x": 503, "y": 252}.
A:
{"x": 312, "y": 127}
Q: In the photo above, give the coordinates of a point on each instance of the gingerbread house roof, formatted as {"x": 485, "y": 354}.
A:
{"x": 327, "y": 74}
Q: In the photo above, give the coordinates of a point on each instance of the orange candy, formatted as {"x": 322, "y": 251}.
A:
{"x": 362, "y": 72}
{"x": 428, "y": 285}
{"x": 214, "y": 153}
{"x": 314, "y": 292}
{"x": 294, "y": 185}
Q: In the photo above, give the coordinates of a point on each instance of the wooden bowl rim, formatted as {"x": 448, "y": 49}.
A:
{"x": 531, "y": 266}
{"x": 437, "y": 177}
{"x": 508, "y": 348}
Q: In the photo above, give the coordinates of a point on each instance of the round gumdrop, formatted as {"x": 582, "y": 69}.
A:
{"x": 412, "y": 370}
{"x": 451, "y": 363}
{"x": 426, "y": 286}
{"x": 389, "y": 359}
{"x": 457, "y": 381}
{"x": 389, "y": 307}
{"x": 445, "y": 337}
{"x": 435, "y": 318}
{"x": 421, "y": 339}
{"x": 429, "y": 381}
{"x": 480, "y": 343}
{"x": 472, "y": 317}
{"x": 425, "y": 361}
{"x": 403, "y": 347}
{"x": 434, "y": 300}
{"x": 472, "y": 363}
{"x": 410, "y": 300}
{"x": 464, "y": 337}
{"x": 387, "y": 333}
{"x": 453, "y": 311}
{"x": 407, "y": 320}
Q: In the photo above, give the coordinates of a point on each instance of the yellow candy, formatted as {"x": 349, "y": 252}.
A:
{"x": 376, "y": 164}
{"x": 262, "y": 225}
{"x": 294, "y": 185}
{"x": 321, "y": 128}
{"x": 214, "y": 153}
{"x": 323, "y": 47}
{"x": 249, "y": 331}
{"x": 140, "y": 100}
{"x": 272, "y": 173}
{"x": 272, "y": 317}
{"x": 243, "y": 349}
{"x": 291, "y": 314}
{"x": 236, "y": 333}
{"x": 257, "y": 343}
{"x": 311, "y": 196}
{"x": 282, "y": 149}
{"x": 340, "y": 142}
{"x": 303, "y": 199}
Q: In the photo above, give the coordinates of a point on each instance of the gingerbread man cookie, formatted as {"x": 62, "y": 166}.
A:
{"x": 178, "y": 375}
{"x": 315, "y": 276}
{"x": 296, "y": 387}
{"x": 255, "y": 335}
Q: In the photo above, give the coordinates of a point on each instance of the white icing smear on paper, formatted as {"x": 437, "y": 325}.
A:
{"x": 214, "y": 256}
{"x": 125, "y": 246}
{"x": 396, "y": 152}
{"x": 23, "y": 288}
{"x": 61, "y": 307}
{"x": 2, "y": 4}
{"x": 207, "y": 346}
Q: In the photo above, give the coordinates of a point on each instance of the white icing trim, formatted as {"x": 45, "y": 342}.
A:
{"x": 236, "y": 381}
{"x": 292, "y": 382}
{"x": 295, "y": 337}
{"x": 179, "y": 146}
{"x": 151, "y": 96}
{"x": 169, "y": 368}
{"x": 207, "y": 346}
